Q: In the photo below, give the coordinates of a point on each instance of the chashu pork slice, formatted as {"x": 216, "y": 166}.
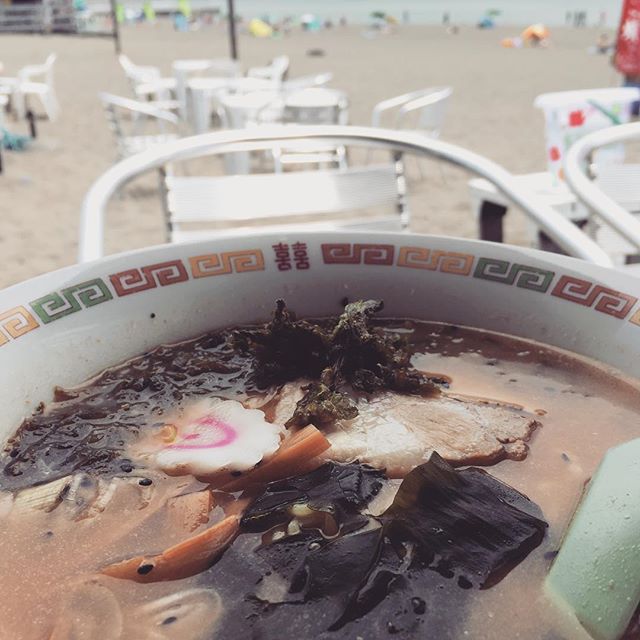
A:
{"x": 397, "y": 432}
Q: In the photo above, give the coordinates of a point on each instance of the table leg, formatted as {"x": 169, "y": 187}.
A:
{"x": 199, "y": 106}
{"x": 490, "y": 221}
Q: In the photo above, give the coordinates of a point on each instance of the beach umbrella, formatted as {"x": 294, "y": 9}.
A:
{"x": 378, "y": 15}
{"x": 260, "y": 29}
{"x": 494, "y": 13}
{"x": 535, "y": 32}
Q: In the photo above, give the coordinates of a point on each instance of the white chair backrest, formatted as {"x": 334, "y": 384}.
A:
{"x": 218, "y": 68}
{"x": 42, "y": 72}
{"x": 305, "y": 82}
{"x": 315, "y": 105}
{"x": 425, "y": 113}
{"x": 279, "y": 67}
{"x": 298, "y": 193}
{"x": 621, "y": 182}
{"x": 615, "y": 193}
{"x": 391, "y": 107}
{"x": 127, "y": 118}
{"x": 275, "y": 70}
{"x": 562, "y": 231}
{"x": 138, "y": 74}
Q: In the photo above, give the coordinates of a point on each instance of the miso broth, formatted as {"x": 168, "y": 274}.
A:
{"x": 58, "y": 547}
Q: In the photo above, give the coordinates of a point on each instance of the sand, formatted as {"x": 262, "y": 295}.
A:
{"x": 491, "y": 112}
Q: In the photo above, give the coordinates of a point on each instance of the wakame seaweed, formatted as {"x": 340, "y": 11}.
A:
{"x": 350, "y": 352}
{"x": 464, "y": 523}
{"x": 445, "y": 530}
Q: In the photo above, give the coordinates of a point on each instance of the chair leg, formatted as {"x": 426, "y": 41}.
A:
{"x": 19, "y": 104}
{"x": 276, "y": 154}
{"x": 491, "y": 216}
{"x": 341, "y": 154}
{"x": 31, "y": 117}
{"x": 50, "y": 104}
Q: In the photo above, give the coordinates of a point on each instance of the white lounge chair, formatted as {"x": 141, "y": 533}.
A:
{"x": 610, "y": 192}
{"x": 138, "y": 125}
{"x": 394, "y": 143}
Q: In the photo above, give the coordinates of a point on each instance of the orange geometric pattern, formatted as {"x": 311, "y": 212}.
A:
{"x": 217, "y": 264}
{"x": 435, "y": 260}
{"x": 15, "y": 323}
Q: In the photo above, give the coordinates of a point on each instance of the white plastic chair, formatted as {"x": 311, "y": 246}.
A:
{"x": 138, "y": 125}
{"x": 316, "y": 106}
{"x": 611, "y": 193}
{"x": 37, "y": 81}
{"x": 300, "y": 196}
{"x": 396, "y": 143}
{"x": 275, "y": 71}
{"x": 422, "y": 110}
{"x": 147, "y": 82}
{"x": 306, "y": 82}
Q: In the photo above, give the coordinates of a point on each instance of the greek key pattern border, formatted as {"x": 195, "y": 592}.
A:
{"x": 56, "y": 305}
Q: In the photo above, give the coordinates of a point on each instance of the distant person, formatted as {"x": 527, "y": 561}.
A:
{"x": 446, "y": 18}
{"x": 343, "y": 21}
{"x": 603, "y": 44}
{"x": 568, "y": 18}
{"x": 406, "y": 17}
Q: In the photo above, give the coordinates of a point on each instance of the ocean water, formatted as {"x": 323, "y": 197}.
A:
{"x": 513, "y": 12}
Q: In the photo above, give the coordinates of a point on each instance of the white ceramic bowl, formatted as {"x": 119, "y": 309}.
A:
{"x": 62, "y": 327}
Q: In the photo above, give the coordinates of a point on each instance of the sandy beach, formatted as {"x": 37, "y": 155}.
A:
{"x": 491, "y": 112}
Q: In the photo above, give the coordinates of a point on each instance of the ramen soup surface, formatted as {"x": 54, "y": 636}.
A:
{"x": 109, "y": 545}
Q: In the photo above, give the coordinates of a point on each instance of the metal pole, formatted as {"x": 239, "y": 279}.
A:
{"x": 232, "y": 29}
{"x": 116, "y": 27}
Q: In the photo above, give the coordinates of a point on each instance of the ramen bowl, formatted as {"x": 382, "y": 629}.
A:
{"x": 63, "y": 327}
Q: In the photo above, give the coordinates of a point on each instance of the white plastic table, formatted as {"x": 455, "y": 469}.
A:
{"x": 245, "y": 110}
{"x": 182, "y": 69}
{"x": 203, "y": 91}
